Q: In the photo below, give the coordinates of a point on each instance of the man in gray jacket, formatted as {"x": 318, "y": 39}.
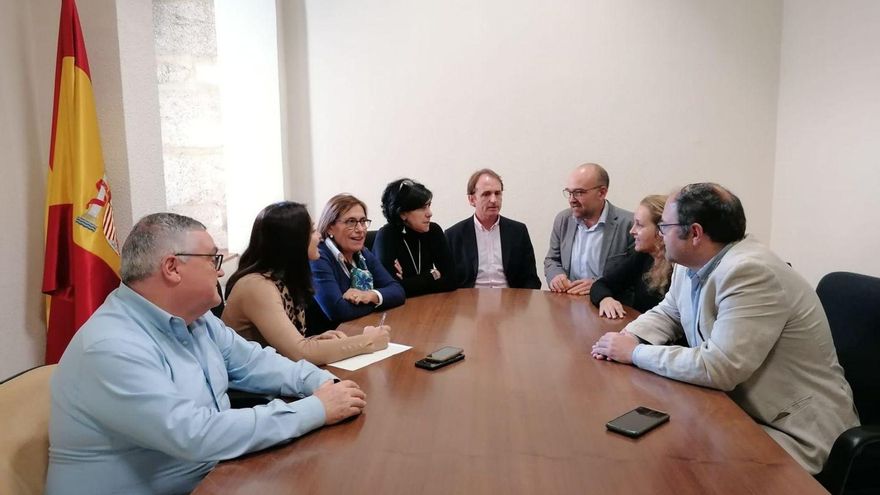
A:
{"x": 754, "y": 327}
{"x": 588, "y": 235}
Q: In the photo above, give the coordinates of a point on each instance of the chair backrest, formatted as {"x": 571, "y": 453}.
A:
{"x": 852, "y": 303}
{"x": 371, "y": 238}
{"x": 218, "y": 309}
{"x": 24, "y": 435}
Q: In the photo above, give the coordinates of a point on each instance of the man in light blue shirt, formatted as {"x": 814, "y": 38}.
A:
{"x": 587, "y": 249}
{"x": 139, "y": 401}
{"x": 587, "y": 236}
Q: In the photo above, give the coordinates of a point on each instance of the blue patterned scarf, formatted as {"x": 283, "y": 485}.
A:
{"x": 361, "y": 278}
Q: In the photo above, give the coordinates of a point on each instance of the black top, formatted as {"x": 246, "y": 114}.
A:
{"x": 430, "y": 248}
{"x": 627, "y": 277}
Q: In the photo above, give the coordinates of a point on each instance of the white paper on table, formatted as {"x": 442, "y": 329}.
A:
{"x": 358, "y": 362}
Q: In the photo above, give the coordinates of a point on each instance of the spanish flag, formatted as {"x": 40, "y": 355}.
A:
{"x": 82, "y": 255}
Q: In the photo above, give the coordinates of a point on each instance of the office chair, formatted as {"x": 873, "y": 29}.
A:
{"x": 24, "y": 435}
{"x": 218, "y": 309}
{"x": 852, "y": 304}
{"x": 371, "y": 238}
{"x": 240, "y": 399}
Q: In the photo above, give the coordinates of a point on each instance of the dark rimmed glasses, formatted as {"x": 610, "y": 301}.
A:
{"x": 663, "y": 226}
{"x": 352, "y": 223}
{"x": 217, "y": 258}
{"x": 578, "y": 193}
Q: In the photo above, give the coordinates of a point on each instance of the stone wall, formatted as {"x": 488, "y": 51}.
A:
{"x": 189, "y": 106}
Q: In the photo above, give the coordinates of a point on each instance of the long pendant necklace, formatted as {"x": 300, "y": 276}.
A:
{"x": 419, "y": 265}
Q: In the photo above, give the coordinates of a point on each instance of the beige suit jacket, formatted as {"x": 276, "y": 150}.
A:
{"x": 762, "y": 336}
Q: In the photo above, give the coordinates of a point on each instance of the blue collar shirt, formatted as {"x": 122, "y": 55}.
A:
{"x": 139, "y": 401}
{"x": 698, "y": 279}
{"x": 586, "y": 250}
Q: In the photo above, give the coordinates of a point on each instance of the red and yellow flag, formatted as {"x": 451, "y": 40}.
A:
{"x": 82, "y": 255}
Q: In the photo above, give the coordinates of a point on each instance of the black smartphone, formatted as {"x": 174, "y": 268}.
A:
{"x": 444, "y": 354}
{"x": 433, "y": 365}
{"x": 637, "y": 422}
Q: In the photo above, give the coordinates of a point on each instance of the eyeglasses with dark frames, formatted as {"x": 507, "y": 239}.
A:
{"x": 663, "y": 226}
{"x": 352, "y": 223}
{"x": 217, "y": 258}
{"x": 578, "y": 193}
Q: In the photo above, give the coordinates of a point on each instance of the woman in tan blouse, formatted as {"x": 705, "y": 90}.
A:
{"x": 267, "y": 295}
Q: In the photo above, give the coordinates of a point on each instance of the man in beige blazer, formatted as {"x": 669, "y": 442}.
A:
{"x": 754, "y": 327}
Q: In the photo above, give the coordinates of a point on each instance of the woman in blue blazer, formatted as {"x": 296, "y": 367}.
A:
{"x": 349, "y": 280}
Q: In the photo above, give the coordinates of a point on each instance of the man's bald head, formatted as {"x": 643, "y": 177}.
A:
{"x": 593, "y": 171}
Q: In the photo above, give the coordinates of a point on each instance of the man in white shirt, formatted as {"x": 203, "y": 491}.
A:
{"x": 586, "y": 236}
{"x": 491, "y": 250}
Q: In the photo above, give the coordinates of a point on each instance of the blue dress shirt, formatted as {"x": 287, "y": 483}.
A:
{"x": 139, "y": 400}
{"x": 587, "y": 249}
{"x": 697, "y": 278}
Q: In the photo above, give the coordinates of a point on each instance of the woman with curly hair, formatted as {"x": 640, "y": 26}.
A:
{"x": 644, "y": 273}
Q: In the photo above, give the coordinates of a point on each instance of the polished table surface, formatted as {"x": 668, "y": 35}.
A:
{"x": 524, "y": 412}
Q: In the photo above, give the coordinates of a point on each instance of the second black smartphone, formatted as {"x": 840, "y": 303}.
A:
{"x": 433, "y": 365}
{"x": 444, "y": 354}
{"x": 637, "y": 422}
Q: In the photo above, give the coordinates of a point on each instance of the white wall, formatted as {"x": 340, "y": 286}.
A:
{"x": 661, "y": 93}
{"x": 128, "y": 99}
{"x": 118, "y": 36}
{"x": 825, "y": 208}
{"x": 25, "y": 146}
{"x": 295, "y": 113}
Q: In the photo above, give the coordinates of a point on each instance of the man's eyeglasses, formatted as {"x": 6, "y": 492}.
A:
{"x": 352, "y": 223}
{"x": 217, "y": 258}
{"x": 578, "y": 193}
{"x": 662, "y": 227}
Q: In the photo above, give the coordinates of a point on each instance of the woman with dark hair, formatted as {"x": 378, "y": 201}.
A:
{"x": 645, "y": 273}
{"x": 410, "y": 245}
{"x": 268, "y": 294}
{"x": 349, "y": 281}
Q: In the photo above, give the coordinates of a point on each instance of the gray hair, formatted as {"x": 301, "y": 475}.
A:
{"x": 153, "y": 237}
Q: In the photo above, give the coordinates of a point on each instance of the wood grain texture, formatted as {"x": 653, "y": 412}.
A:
{"x": 525, "y": 412}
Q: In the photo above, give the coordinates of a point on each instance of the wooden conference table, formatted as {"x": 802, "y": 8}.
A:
{"x": 524, "y": 412}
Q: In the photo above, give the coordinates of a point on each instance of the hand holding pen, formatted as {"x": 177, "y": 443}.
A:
{"x": 380, "y": 334}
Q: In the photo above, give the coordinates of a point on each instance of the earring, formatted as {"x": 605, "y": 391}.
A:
{"x": 331, "y": 236}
